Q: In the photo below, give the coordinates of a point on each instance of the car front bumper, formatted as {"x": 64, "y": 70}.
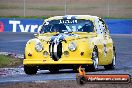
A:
{"x": 52, "y": 62}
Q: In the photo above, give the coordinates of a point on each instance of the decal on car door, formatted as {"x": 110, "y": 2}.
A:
{"x": 105, "y": 49}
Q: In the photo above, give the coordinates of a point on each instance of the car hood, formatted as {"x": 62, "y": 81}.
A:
{"x": 57, "y": 37}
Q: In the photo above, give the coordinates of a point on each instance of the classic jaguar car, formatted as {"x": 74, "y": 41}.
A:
{"x": 66, "y": 42}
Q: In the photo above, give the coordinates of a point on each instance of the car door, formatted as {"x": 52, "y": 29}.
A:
{"x": 107, "y": 42}
{"x": 100, "y": 40}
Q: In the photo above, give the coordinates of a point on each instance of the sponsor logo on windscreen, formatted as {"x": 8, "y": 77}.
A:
{"x": 18, "y": 26}
{"x": 1, "y": 26}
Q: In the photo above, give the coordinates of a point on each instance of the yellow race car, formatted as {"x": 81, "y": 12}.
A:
{"x": 66, "y": 42}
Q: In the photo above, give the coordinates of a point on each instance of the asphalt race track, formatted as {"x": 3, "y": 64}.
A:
{"x": 15, "y": 42}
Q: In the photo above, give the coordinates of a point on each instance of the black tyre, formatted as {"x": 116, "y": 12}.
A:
{"x": 112, "y": 65}
{"x": 95, "y": 59}
{"x": 30, "y": 70}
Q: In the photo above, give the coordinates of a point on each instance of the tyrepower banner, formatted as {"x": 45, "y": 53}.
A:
{"x": 20, "y": 25}
{"x": 115, "y": 26}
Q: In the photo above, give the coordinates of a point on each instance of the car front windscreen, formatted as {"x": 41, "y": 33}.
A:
{"x": 68, "y": 25}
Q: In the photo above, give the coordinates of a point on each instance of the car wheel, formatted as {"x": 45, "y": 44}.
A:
{"x": 30, "y": 70}
{"x": 95, "y": 59}
{"x": 112, "y": 65}
{"x": 54, "y": 70}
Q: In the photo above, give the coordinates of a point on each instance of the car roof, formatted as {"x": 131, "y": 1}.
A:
{"x": 87, "y": 17}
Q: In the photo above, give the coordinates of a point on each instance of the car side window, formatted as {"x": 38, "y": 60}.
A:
{"x": 105, "y": 29}
{"x": 101, "y": 27}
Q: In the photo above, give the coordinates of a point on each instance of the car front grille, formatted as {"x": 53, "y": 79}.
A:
{"x": 55, "y": 50}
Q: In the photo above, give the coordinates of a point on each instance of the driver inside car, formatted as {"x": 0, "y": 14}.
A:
{"x": 87, "y": 28}
{"x": 58, "y": 27}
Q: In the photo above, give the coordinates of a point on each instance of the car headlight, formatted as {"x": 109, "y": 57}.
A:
{"x": 38, "y": 47}
{"x": 72, "y": 46}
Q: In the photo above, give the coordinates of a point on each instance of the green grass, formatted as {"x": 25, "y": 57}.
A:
{"x": 50, "y": 8}
{"x": 45, "y": 17}
{"x": 34, "y": 17}
{"x": 7, "y": 61}
{"x": 9, "y": 7}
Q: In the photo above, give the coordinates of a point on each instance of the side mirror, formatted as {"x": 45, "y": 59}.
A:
{"x": 36, "y": 35}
